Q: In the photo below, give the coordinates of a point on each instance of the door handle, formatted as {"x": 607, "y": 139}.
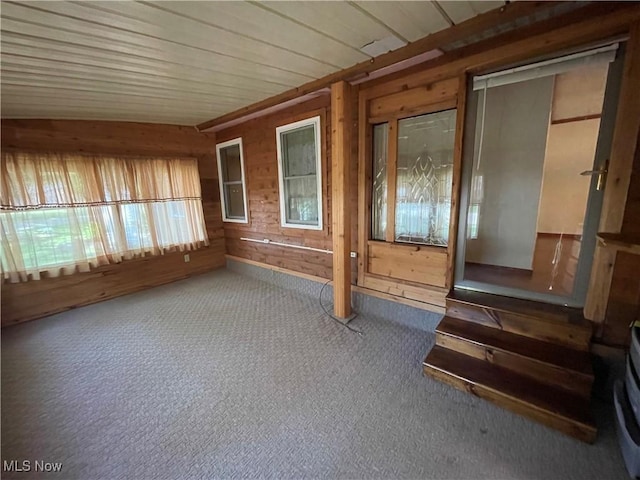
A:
{"x": 601, "y": 172}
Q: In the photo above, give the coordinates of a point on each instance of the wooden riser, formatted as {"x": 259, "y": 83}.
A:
{"x": 552, "y": 407}
{"x": 530, "y": 319}
{"x": 547, "y": 363}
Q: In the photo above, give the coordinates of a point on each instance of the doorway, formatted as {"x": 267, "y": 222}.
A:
{"x": 536, "y": 143}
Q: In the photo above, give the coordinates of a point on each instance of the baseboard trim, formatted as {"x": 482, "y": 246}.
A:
{"x": 354, "y": 288}
{"x": 275, "y": 268}
{"x": 6, "y": 323}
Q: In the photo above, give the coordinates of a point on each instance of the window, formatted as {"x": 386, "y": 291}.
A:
{"x": 63, "y": 213}
{"x": 379, "y": 193}
{"x": 232, "y": 183}
{"x": 299, "y": 172}
{"x": 422, "y": 178}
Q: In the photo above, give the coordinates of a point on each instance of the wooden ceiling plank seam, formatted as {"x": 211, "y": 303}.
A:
{"x": 12, "y": 46}
{"x": 88, "y": 106}
{"x": 87, "y": 60}
{"x": 460, "y": 11}
{"x": 340, "y": 19}
{"x": 87, "y": 115}
{"x": 377, "y": 20}
{"x": 444, "y": 14}
{"x": 25, "y": 107}
{"x": 149, "y": 66}
{"x": 265, "y": 6}
{"x": 46, "y": 31}
{"x": 120, "y": 107}
{"x": 8, "y": 71}
{"x": 100, "y": 70}
{"x": 46, "y": 111}
{"x": 7, "y": 83}
{"x": 107, "y": 31}
{"x": 462, "y": 30}
{"x": 118, "y": 46}
{"x": 413, "y": 20}
{"x": 119, "y": 103}
{"x": 108, "y": 10}
{"x": 10, "y": 77}
{"x": 51, "y": 91}
{"x": 12, "y": 86}
{"x": 56, "y": 111}
{"x": 249, "y": 37}
{"x": 245, "y": 66}
{"x": 162, "y": 6}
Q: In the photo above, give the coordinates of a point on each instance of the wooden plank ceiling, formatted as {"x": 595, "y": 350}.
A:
{"x": 187, "y": 62}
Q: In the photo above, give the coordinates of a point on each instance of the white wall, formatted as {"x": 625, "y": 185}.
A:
{"x": 579, "y": 92}
{"x": 513, "y": 151}
{"x": 571, "y": 149}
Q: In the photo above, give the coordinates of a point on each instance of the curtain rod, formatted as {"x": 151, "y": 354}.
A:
{"x": 605, "y": 54}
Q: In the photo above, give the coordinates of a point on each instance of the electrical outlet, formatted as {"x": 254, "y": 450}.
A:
{"x": 187, "y": 259}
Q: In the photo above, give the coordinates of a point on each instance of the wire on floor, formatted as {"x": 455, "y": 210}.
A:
{"x": 336, "y": 319}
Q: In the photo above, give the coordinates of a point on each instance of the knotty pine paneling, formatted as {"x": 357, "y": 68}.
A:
{"x": 414, "y": 263}
{"x": 623, "y": 307}
{"x": 261, "y": 171}
{"x": 31, "y": 300}
{"x": 624, "y": 297}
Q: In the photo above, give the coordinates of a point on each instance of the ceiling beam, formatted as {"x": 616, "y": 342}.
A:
{"x": 473, "y": 26}
{"x": 593, "y": 23}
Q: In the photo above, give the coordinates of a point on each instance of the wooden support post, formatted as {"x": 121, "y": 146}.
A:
{"x": 340, "y": 197}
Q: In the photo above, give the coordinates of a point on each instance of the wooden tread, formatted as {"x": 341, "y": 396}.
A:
{"x": 541, "y": 321}
{"x": 518, "y": 305}
{"x": 554, "y": 407}
{"x": 556, "y": 365}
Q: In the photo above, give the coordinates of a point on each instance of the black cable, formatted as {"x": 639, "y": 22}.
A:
{"x": 335, "y": 319}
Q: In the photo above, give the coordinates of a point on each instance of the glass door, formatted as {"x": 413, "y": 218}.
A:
{"x": 536, "y": 142}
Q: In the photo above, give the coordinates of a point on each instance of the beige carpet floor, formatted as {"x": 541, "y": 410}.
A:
{"x": 225, "y": 376}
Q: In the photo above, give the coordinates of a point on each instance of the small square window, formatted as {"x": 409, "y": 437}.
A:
{"x": 300, "y": 174}
{"x": 232, "y": 182}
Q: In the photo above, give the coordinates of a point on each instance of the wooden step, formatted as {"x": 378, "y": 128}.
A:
{"x": 555, "y": 408}
{"x": 541, "y": 321}
{"x": 548, "y": 363}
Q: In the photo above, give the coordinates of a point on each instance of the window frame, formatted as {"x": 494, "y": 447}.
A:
{"x": 393, "y": 128}
{"x": 221, "y": 182}
{"x": 315, "y": 121}
{"x": 86, "y": 229}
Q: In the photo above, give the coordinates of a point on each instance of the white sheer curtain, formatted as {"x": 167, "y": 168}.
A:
{"x": 62, "y": 213}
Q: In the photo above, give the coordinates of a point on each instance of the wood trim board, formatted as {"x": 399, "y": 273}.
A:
{"x": 437, "y": 297}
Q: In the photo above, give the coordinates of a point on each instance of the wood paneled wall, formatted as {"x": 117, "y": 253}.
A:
{"x": 27, "y": 301}
{"x": 624, "y": 297}
{"x": 261, "y": 172}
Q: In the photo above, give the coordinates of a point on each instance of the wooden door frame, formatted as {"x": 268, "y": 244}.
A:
{"x": 502, "y": 52}
{"x": 425, "y": 98}
{"x": 626, "y": 139}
